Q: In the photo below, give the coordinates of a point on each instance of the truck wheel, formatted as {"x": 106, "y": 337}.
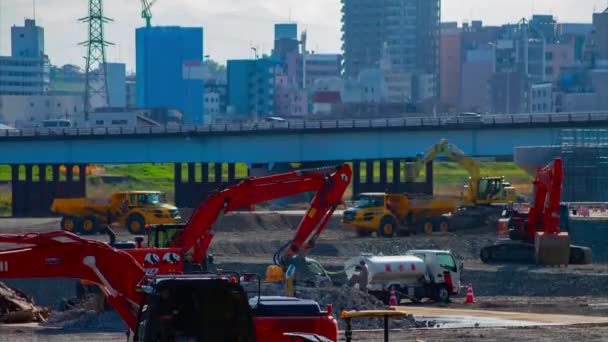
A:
{"x": 89, "y": 225}
{"x": 444, "y": 225}
{"x": 135, "y": 224}
{"x": 364, "y": 232}
{"x": 387, "y": 227}
{"x": 69, "y": 224}
{"x": 443, "y": 294}
{"x": 425, "y": 226}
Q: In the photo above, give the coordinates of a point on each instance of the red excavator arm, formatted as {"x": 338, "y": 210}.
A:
{"x": 544, "y": 213}
{"x": 329, "y": 183}
{"x": 65, "y": 255}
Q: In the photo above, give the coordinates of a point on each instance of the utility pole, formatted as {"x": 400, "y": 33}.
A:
{"x": 96, "y": 84}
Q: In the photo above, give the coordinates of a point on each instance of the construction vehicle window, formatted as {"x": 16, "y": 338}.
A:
{"x": 371, "y": 201}
{"x": 152, "y": 199}
{"x": 315, "y": 268}
{"x": 483, "y": 187}
{"x": 133, "y": 199}
{"x": 446, "y": 262}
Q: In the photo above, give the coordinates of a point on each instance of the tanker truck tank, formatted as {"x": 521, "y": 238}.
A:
{"x": 389, "y": 269}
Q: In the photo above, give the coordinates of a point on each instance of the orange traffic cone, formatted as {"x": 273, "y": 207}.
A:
{"x": 470, "y": 297}
{"x": 393, "y": 299}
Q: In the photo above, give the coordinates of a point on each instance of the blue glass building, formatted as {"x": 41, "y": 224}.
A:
{"x": 251, "y": 86}
{"x": 169, "y": 66}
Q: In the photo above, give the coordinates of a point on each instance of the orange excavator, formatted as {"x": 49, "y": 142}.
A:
{"x": 535, "y": 236}
{"x": 157, "y": 302}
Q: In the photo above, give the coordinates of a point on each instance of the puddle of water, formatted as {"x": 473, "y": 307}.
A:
{"x": 453, "y": 322}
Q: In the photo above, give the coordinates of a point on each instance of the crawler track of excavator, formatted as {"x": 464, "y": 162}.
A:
{"x": 508, "y": 251}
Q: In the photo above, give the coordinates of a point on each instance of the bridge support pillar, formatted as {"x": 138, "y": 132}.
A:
{"x": 396, "y": 184}
{"x": 383, "y": 174}
{"x": 191, "y": 193}
{"x": 33, "y": 197}
{"x": 356, "y": 181}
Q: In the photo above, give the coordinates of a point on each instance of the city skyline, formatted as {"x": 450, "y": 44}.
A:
{"x": 232, "y": 27}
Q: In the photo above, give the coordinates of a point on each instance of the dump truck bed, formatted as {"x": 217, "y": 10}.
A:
{"x": 80, "y": 206}
{"x": 404, "y": 205}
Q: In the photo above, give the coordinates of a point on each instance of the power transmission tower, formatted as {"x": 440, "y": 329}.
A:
{"x": 96, "y": 73}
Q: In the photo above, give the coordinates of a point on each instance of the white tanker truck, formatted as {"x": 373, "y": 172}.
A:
{"x": 416, "y": 275}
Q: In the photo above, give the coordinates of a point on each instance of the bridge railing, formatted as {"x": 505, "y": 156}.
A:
{"x": 413, "y": 122}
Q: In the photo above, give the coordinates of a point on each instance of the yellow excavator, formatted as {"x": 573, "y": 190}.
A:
{"x": 480, "y": 190}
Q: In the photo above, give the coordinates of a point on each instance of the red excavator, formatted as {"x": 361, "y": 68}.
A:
{"x": 157, "y": 303}
{"x": 170, "y": 245}
{"x": 535, "y": 236}
{"x": 194, "y": 307}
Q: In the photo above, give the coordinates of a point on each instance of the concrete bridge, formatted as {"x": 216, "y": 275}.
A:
{"x": 363, "y": 142}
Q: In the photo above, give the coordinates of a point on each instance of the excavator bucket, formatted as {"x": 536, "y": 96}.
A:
{"x": 552, "y": 249}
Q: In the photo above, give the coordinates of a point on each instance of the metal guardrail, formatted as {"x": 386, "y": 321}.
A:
{"x": 413, "y": 122}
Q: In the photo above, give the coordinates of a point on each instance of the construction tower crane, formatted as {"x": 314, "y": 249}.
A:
{"x": 146, "y": 11}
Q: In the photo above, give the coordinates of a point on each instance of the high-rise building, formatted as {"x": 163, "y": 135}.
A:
{"x": 251, "y": 86}
{"x": 27, "y": 70}
{"x": 450, "y": 65}
{"x": 600, "y": 37}
{"x": 285, "y": 40}
{"x": 410, "y": 28}
{"x": 169, "y": 64}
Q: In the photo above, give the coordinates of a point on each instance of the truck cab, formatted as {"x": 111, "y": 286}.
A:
{"x": 145, "y": 207}
{"x": 441, "y": 269}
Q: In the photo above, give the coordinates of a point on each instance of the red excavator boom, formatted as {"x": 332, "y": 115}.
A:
{"x": 329, "y": 185}
{"x": 544, "y": 213}
{"x": 65, "y": 255}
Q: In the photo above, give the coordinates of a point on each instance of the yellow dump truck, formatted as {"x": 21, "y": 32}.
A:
{"x": 388, "y": 214}
{"x": 132, "y": 209}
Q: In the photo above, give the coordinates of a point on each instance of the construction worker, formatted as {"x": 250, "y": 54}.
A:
{"x": 360, "y": 278}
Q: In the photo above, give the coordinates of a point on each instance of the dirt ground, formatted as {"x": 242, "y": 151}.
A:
{"x": 588, "y": 333}
{"x": 247, "y": 242}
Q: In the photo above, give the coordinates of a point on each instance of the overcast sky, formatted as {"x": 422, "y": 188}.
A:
{"x": 233, "y": 26}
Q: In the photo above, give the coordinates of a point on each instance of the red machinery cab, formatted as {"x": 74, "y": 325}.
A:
{"x": 209, "y": 307}
{"x": 275, "y": 316}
